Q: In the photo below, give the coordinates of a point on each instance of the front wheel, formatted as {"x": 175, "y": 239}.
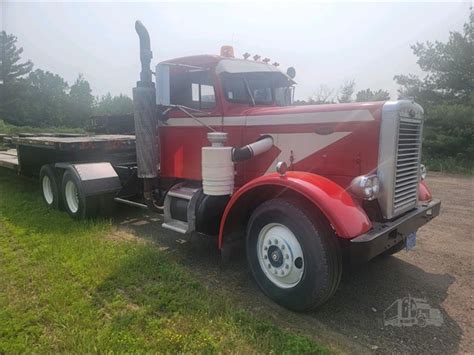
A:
{"x": 293, "y": 255}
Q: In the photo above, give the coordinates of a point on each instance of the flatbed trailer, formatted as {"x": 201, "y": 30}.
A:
{"x": 102, "y": 165}
{"x": 35, "y": 151}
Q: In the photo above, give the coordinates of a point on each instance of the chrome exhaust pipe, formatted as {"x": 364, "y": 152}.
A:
{"x": 145, "y": 54}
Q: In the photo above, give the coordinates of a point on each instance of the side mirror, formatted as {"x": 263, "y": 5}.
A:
{"x": 291, "y": 72}
{"x": 163, "y": 85}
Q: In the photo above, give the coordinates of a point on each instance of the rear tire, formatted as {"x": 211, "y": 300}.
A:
{"x": 293, "y": 255}
{"x": 76, "y": 203}
{"x": 50, "y": 187}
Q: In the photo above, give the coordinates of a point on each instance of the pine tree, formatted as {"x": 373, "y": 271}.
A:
{"x": 346, "y": 92}
{"x": 10, "y": 68}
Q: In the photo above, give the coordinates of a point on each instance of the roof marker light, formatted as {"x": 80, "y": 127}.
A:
{"x": 227, "y": 51}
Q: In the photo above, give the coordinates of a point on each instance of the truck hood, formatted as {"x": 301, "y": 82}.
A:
{"x": 375, "y": 108}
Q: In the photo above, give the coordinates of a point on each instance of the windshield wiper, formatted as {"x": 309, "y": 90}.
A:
{"x": 247, "y": 86}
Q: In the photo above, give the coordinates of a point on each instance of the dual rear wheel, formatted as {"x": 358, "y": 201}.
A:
{"x": 76, "y": 203}
{"x": 49, "y": 185}
{"x": 62, "y": 189}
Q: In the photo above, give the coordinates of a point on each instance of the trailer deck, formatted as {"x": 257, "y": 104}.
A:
{"x": 9, "y": 159}
{"x": 77, "y": 142}
{"x": 33, "y": 151}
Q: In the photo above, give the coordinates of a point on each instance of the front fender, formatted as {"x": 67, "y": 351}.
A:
{"x": 342, "y": 211}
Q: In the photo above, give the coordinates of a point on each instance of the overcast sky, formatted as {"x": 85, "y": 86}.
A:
{"x": 326, "y": 43}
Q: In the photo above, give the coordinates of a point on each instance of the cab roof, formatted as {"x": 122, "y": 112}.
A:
{"x": 226, "y": 64}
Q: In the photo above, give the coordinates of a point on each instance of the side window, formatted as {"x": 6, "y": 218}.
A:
{"x": 208, "y": 97}
{"x": 203, "y": 96}
{"x": 192, "y": 89}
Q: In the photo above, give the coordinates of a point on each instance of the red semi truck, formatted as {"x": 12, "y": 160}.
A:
{"x": 219, "y": 149}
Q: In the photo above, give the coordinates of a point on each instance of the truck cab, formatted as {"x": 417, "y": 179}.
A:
{"x": 221, "y": 92}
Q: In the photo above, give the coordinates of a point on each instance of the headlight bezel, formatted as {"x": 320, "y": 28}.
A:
{"x": 366, "y": 187}
{"x": 423, "y": 172}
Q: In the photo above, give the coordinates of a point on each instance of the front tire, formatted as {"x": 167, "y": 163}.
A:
{"x": 293, "y": 255}
{"x": 76, "y": 203}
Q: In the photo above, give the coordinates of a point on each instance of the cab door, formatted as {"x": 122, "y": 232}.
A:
{"x": 183, "y": 136}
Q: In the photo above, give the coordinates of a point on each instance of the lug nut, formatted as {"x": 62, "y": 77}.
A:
{"x": 269, "y": 266}
{"x": 265, "y": 257}
{"x": 287, "y": 266}
{"x": 287, "y": 256}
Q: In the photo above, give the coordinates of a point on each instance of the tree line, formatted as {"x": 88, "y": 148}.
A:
{"x": 40, "y": 98}
{"x": 446, "y": 94}
{"x": 345, "y": 94}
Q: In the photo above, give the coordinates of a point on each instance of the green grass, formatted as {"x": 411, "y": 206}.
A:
{"x": 450, "y": 165}
{"x": 6, "y": 128}
{"x": 69, "y": 286}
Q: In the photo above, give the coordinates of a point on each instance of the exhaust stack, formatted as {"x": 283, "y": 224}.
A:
{"x": 145, "y": 54}
{"x": 147, "y": 138}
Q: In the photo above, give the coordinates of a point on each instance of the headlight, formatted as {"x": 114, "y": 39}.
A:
{"x": 366, "y": 187}
{"x": 422, "y": 172}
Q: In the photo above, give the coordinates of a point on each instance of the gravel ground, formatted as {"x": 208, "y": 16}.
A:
{"x": 439, "y": 269}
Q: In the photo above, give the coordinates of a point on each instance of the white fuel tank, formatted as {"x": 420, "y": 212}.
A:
{"x": 217, "y": 166}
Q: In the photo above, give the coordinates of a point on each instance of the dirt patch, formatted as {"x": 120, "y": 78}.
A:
{"x": 125, "y": 235}
{"x": 439, "y": 270}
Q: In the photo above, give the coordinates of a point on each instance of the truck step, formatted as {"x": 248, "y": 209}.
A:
{"x": 176, "y": 225}
{"x": 173, "y": 217}
{"x": 183, "y": 192}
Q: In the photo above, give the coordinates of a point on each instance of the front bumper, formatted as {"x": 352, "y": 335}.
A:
{"x": 385, "y": 235}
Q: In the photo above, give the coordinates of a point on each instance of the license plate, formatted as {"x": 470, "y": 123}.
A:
{"x": 410, "y": 241}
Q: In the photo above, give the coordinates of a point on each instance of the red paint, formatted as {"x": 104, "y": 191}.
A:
{"x": 353, "y": 155}
{"x": 344, "y": 214}
{"x": 424, "y": 193}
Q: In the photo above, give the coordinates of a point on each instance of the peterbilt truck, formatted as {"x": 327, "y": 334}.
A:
{"x": 220, "y": 149}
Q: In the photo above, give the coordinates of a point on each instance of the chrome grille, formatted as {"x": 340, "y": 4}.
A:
{"x": 407, "y": 164}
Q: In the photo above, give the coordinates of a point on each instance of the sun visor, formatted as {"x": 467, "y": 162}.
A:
{"x": 238, "y": 66}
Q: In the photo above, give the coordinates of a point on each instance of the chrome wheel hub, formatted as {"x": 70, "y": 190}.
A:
{"x": 47, "y": 189}
{"x": 72, "y": 196}
{"x": 280, "y": 255}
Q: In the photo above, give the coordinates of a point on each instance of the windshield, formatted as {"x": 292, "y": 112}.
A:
{"x": 257, "y": 88}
